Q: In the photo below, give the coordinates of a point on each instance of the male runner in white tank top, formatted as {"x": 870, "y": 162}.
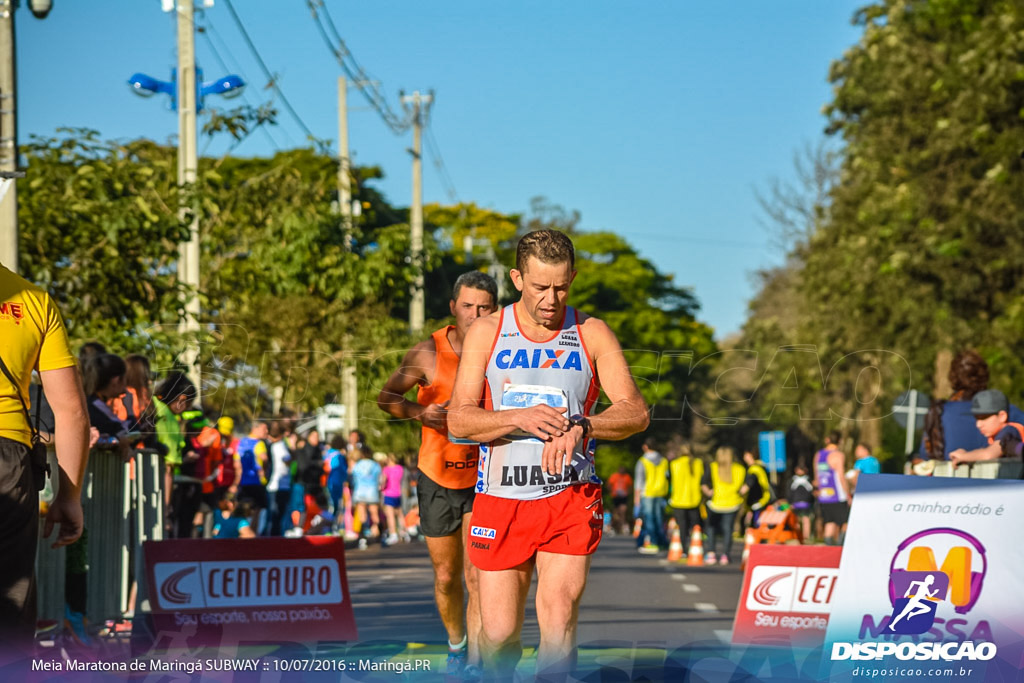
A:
{"x": 538, "y": 501}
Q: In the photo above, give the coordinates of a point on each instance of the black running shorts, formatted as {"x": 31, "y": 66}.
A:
{"x": 835, "y": 513}
{"x": 441, "y": 509}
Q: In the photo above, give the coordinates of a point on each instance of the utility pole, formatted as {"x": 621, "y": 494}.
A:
{"x": 419, "y": 104}
{"x": 349, "y": 382}
{"x": 344, "y": 164}
{"x": 8, "y": 139}
{"x": 188, "y": 162}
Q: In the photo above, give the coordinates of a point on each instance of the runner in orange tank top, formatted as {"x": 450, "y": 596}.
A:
{"x": 447, "y": 470}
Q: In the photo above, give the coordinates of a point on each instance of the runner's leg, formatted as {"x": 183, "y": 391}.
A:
{"x": 501, "y": 616}
{"x": 560, "y": 583}
{"x": 447, "y": 556}
{"x": 472, "y": 575}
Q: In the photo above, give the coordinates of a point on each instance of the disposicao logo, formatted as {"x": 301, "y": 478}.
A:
{"x": 917, "y": 586}
{"x": 914, "y": 613}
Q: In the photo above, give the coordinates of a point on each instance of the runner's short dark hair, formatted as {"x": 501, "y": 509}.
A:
{"x": 474, "y": 279}
{"x": 547, "y": 246}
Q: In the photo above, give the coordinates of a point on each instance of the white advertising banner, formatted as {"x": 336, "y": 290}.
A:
{"x": 931, "y": 582}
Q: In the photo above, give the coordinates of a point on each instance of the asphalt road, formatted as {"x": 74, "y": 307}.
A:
{"x": 631, "y": 600}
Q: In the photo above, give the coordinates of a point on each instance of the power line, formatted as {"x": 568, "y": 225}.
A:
{"x": 271, "y": 79}
{"x": 207, "y": 30}
{"x": 442, "y": 169}
{"x": 362, "y": 80}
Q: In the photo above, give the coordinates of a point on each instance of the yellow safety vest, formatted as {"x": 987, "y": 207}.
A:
{"x": 687, "y": 472}
{"x": 655, "y": 478}
{"x": 726, "y": 497}
{"x": 757, "y": 469}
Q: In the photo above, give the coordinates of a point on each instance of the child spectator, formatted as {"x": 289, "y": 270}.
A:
{"x": 336, "y": 464}
{"x": 233, "y": 520}
{"x": 801, "y": 497}
{"x": 391, "y": 490}
{"x": 991, "y": 414}
{"x": 366, "y": 494}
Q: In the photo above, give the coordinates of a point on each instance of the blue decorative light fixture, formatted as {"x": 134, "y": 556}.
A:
{"x": 147, "y": 86}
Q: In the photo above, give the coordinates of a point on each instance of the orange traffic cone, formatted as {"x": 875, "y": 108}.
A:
{"x": 747, "y": 542}
{"x": 636, "y": 527}
{"x": 695, "y": 558}
{"x": 675, "y": 547}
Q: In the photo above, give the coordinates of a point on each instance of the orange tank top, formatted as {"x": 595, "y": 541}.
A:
{"x": 445, "y": 463}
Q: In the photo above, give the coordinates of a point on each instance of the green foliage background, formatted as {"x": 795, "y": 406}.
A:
{"x": 290, "y": 293}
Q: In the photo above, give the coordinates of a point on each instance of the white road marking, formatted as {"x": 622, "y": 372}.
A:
{"x": 679, "y": 577}
{"x": 691, "y": 588}
{"x": 705, "y": 607}
{"x": 723, "y": 635}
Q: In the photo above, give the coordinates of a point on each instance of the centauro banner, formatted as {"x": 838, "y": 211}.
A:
{"x": 220, "y": 591}
{"x": 930, "y": 582}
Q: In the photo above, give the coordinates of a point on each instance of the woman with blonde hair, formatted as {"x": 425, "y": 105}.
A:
{"x": 721, "y": 484}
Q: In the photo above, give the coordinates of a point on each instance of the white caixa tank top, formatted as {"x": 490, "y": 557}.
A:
{"x": 522, "y": 372}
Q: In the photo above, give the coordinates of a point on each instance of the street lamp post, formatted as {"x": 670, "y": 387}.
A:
{"x": 187, "y": 92}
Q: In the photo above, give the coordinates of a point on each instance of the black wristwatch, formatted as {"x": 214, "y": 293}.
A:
{"x": 581, "y": 421}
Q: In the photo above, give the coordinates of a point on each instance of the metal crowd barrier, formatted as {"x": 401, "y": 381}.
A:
{"x": 120, "y": 513}
{"x": 49, "y": 562}
{"x": 992, "y": 469}
{"x": 149, "y": 515}
{"x": 105, "y": 504}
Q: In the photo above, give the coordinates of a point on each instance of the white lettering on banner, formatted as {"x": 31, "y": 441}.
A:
{"x": 791, "y": 589}
{"x": 225, "y": 584}
{"x": 948, "y": 652}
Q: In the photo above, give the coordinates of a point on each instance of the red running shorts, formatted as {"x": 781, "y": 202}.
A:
{"x": 505, "y": 532}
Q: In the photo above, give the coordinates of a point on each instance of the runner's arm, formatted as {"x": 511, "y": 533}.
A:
{"x": 411, "y": 372}
{"x": 837, "y": 461}
{"x": 466, "y": 419}
{"x": 628, "y": 413}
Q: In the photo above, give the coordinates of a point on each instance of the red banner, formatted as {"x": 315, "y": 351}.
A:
{"x": 787, "y": 595}
{"x": 274, "y": 589}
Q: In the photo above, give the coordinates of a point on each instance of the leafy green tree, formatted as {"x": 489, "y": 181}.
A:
{"x": 99, "y": 229}
{"x": 922, "y": 250}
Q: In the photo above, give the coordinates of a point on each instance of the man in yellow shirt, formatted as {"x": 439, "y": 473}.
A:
{"x": 32, "y": 337}
{"x": 650, "y": 488}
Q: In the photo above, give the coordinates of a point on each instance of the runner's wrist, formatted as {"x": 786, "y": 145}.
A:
{"x": 581, "y": 421}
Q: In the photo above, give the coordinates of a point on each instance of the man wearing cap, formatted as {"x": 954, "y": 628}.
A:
{"x": 991, "y": 413}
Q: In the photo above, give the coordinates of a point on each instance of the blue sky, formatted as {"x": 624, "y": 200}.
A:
{"x": 657, "y": 120}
